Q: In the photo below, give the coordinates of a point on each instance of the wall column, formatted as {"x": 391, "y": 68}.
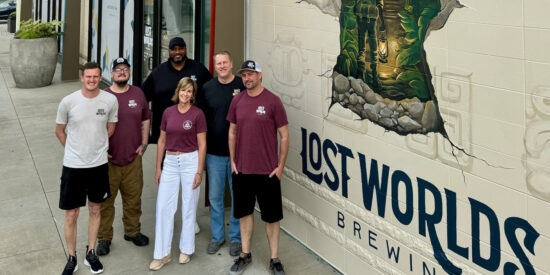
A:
{"x": 70, "y": 41}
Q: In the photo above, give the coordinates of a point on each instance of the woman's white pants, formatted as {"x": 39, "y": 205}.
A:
{"x": 177, "y": 169}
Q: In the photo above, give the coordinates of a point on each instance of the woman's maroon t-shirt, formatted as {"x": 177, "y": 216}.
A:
{"x": 182, "y": 129}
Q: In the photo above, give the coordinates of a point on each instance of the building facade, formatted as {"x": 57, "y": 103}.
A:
{"x": 419, "y": 129}
{"x": 140, "y": 30}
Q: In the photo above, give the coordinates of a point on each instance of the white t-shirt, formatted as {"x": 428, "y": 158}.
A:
{"x": 86, "y": 120}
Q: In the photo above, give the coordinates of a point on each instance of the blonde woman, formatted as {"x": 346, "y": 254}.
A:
{"x": 183, "y": 139}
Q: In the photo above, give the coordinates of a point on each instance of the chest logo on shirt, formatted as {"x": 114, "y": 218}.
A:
{"x": 193, "y": 77}
{"x": 236, "y": 92}
{"x": 260, "y": 110}
{"x": 132, "y": 103}
{"x": 187, "y": 124}
{"x": 100, "y": 112}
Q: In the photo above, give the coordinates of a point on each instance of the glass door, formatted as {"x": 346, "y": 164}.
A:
{"x": 163, "y": 20}
{"x": 178, "y": 19}
{"x": 148, "y": 38}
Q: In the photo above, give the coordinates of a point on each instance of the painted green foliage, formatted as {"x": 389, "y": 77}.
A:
{"x": 415, "y": 20}
{"x": 412, "y": 76}
{"x": 346, "y": 63}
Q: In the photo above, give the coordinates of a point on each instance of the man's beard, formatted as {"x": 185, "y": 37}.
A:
{"x": 121, "y": 83}
{"x": 183, "y": 58}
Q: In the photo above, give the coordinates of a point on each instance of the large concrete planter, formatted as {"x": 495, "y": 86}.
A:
{"x": 33, "y": 61}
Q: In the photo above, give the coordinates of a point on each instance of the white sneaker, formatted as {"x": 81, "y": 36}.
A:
{"x": 197, "y": 228}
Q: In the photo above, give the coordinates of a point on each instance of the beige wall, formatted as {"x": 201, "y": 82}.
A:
{"x": 230, "y": 30}
{"x": 490, "y": 64}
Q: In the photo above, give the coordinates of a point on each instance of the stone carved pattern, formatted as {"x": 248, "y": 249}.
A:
{"x": 537, "y": 142}
{"x": 288, "y": 70}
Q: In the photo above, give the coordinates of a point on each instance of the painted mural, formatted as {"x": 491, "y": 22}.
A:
{"x": 382, "y": 73}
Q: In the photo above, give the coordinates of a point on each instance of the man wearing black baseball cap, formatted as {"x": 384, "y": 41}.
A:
{"x": 160, "y": 84}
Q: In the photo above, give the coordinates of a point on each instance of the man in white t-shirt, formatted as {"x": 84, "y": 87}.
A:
{"x": 85, "y": 121}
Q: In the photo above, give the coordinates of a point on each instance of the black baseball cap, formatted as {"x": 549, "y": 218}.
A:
{"x": 250, "y": 65}
{"x": 176, "y": 41}
{"x": 120, "y": 60}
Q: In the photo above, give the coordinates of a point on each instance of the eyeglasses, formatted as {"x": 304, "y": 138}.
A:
{"x": 120, "y": 70}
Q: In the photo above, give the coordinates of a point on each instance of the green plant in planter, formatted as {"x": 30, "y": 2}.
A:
{"x": 12, "y": 15}
{"x": 34, "y": 53}
{"x": 31, "y": 29}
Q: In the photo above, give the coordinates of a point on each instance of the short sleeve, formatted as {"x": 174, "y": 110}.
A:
{"x": 113, "y": 115}
{"x": 231, "y": 115}
{"x": 201, "y": 122}
{"x": 279, "y": 113}
{"x": 145, "y": 112}
{"x": 148, "y": 87}
{"x": 163, "y": 122}
{"x": 201, "y": 102}
{"x": 62, "y": 113}
{"x": 204, "y": 75}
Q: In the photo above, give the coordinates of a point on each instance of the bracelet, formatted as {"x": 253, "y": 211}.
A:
{"x": 200, "y": 174}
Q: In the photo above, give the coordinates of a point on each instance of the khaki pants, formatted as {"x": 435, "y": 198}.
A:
{"x": 129, "y": 180}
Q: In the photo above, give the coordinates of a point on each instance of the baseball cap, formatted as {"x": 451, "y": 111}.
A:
{"x": 120, "y": 60}
{"x": 250, "y": 65}
{"x": 176, "y": 41}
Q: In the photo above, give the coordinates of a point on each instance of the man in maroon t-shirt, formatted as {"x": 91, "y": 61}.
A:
{"x": 256, "y": 116}
{"x": 126, "y": 146}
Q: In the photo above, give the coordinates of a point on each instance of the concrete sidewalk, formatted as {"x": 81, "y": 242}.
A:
{"x": 31, "y": 224}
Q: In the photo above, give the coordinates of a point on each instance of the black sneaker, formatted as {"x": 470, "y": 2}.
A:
{"x": 93, "y": 261}
{"x": 139, "y": 239}
{"x": 71, "y": 266}
{"x": 240, "y": 264}
{"x": 103, "y": 247}
{"x": 276, "y": 267}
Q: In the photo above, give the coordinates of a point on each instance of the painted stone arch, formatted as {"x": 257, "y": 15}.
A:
{"x": 381, "y": 73}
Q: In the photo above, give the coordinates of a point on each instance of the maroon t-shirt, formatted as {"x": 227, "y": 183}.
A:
{"x": 182, "y": 129}
{"x": 132, "y": 110}
{"x": 257, "y": 120}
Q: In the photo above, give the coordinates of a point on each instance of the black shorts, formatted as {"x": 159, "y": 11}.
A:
{"x": 246, "y": 188}
{"x": 77, "y": 183}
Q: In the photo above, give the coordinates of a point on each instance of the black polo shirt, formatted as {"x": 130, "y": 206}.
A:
{"x": 160, "y": 86}
{"x": 214, "y": 100}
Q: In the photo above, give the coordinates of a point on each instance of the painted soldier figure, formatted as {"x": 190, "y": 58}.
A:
{"x": 367, "y": 12}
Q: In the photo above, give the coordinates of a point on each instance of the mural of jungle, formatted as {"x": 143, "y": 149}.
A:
{"x": 381, "y": 73}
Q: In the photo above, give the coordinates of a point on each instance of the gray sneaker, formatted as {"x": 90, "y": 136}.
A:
{"x": 240, "y": 264}
{"x": 213, "y": 247}
{"x": 235, "y": 249}
{"x": 276, "y": 267}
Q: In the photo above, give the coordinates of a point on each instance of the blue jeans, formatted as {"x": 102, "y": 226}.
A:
{"x": 219, "y": 168}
